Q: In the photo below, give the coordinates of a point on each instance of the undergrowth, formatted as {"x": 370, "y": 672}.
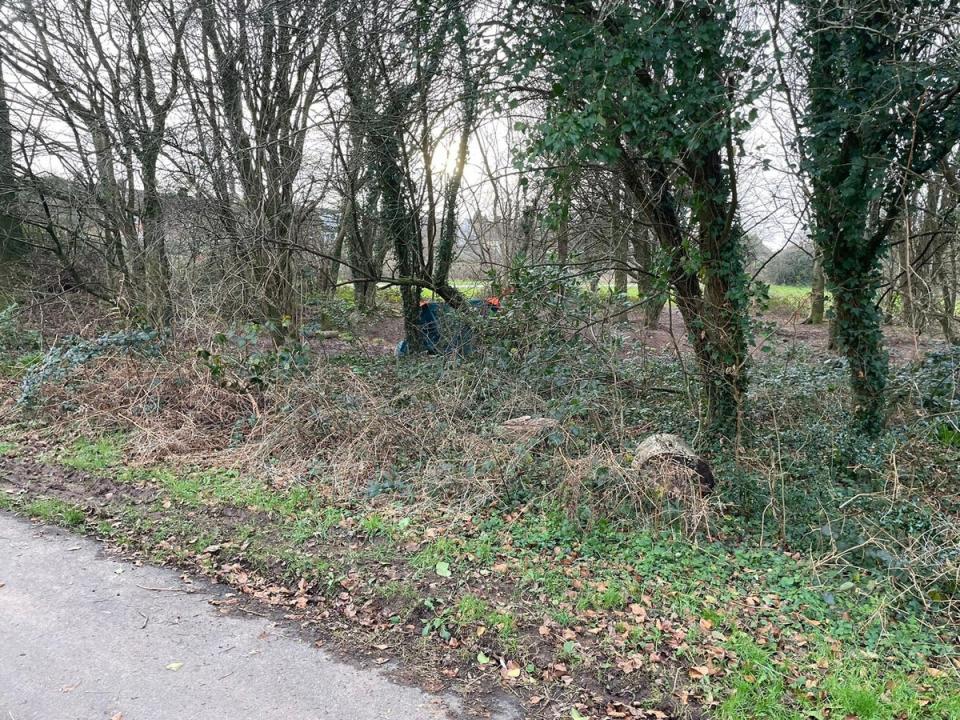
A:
{"x": 822, "y": 574}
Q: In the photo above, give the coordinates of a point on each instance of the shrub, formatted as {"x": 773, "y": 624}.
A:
{"x": 244, "y": 360}
{"x": 65, "y": 357}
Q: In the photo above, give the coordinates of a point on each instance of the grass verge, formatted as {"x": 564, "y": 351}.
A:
{"x": 576, "y": 623}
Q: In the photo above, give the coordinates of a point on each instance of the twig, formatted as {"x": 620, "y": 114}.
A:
{"x": 162, "y": 589}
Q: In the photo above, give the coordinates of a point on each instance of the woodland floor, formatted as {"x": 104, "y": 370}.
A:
{"x": 491, "y": 592}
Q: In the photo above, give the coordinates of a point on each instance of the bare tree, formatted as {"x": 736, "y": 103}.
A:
{"x": 401, "y": 84}
{"x": 107, "y": 75}
{"x": 9, "y": 221}
{"x": 253, "y": 71}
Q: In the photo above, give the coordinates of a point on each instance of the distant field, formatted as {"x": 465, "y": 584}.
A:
{"x": 790, "y": 296}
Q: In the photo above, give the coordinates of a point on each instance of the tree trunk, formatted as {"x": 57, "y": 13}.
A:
{"x": 364, "y": 259}
{"x": 860, "y": 338}
{"x": 400, "y": 227}
{"x": 714, "y": 318}
{"x": 725, "y": 292}
{"x": 620, "y": 243}
{"x": 948, "y": 297}
{"x": 651, "y": 296}
{"x": 854, "y": 276}
{"x": 563, "y": 236}
{"x": 10, "y": 229}
{"x": 817, "y": 294}
{"x": 156, "y": 280}
{"x": 330, "y": 268}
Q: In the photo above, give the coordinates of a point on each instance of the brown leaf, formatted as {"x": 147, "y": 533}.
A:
{"x": 511, "y": 671}
{"x": 699, "y": 671}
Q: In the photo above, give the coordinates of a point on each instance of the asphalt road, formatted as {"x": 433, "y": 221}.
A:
{"x": 81, "y": 637}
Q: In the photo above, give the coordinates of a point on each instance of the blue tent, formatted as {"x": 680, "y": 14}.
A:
{"x": 443, "y": 331}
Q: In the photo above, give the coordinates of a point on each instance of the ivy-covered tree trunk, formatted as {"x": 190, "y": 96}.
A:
{"x": 882, "y": 110}
{"x": 714, "y": 313}
{"x": 399, "y": 226}
{"x": 726, "y": 298}
{"x": 852, "y": 270}
{"x": 858, "y": 334}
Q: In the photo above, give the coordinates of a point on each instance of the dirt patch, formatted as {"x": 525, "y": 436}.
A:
{"x": 40, "y": 479}
{"x": 789, "y": 329}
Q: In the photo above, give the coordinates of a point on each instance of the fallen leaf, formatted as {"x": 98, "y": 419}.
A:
{"x": 639, "y": 611}
{"x": 483, "y": 658}
{"x": 443, "y": 569}
{"x": 511, "y": 671}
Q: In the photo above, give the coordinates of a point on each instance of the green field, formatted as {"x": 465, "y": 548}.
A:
{"x": 780, "y": 296}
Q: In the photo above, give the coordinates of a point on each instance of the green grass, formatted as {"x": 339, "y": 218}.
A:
{"x": 843, "y": 647}
{"x": 16, "y": 367}
{"x": 850, "y": 687}
{"x": 53, "y": 510}
{"x": 94, "y": 455}
{"x": 790, "y": 293}
{"x": 7, "y": 448}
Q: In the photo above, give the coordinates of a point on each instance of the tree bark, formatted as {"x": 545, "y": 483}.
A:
{"x": 817, "y": 292}
{"x": 620, "y": 243}
{"x": 10, "y": 227}
{"x": 713, "y": 317}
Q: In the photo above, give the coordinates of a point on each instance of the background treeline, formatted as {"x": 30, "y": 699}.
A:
{"x": 231, "y": 158}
